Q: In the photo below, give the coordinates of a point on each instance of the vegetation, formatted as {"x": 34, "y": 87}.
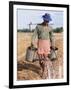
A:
{"x": 24, "y": 30}
{"x": 58, "y": 30}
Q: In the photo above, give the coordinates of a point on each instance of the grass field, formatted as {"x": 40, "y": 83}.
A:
{"x": 29, "y": 70}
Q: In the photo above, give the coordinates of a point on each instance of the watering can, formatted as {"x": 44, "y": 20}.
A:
{"x": 31, "y": 53}
{"x": 53, "y": 53}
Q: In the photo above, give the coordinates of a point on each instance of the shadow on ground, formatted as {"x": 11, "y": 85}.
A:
{"x": 28, "y": 66}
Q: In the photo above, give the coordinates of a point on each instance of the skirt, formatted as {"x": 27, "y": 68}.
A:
{"x": 43, "y": 47}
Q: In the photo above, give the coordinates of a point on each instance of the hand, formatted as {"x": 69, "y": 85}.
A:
{"x": 54, "y": 48}
{"x": 32, "y": 45}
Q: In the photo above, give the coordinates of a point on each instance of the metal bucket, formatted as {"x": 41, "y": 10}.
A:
{"x": 53, "y": 54}
{"x": 30, "y": 54}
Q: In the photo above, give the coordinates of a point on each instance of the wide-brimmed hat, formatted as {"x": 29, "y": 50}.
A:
{"x": 47, "y": 17}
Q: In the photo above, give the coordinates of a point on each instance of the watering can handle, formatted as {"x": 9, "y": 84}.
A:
{"x": 54, "y": 48}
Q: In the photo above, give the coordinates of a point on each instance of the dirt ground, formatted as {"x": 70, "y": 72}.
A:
{"x": 31, "y": 71}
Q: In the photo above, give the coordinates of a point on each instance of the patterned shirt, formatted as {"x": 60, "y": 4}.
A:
{"x": 43, "y": 32}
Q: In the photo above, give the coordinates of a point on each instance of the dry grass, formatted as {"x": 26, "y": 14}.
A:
{"x": 31, "y": 71}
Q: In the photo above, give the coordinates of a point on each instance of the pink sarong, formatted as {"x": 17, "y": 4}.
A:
{"x": 43, "y": 47}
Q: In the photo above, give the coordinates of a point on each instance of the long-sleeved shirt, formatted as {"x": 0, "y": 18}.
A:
{"x": 44, "y": 33}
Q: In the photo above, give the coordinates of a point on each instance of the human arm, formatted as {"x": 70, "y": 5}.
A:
{"x": 34, "y": 37}
{"x": 52, "y": 39}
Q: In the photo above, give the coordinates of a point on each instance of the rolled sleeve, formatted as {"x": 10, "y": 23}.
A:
{"x": 52, "y": 39}
{"x": 35, "y": 35}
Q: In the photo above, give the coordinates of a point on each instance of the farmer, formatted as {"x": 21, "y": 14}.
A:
{"x": 43, "y": 31}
